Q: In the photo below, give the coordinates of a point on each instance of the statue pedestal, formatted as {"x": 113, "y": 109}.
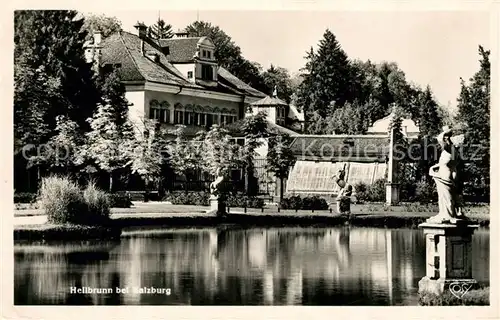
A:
{"x": 217, "y": 206}
{"x": 391, "y": 193}
{"x": 344, "y": 205}
{"x": 448, "y": 258}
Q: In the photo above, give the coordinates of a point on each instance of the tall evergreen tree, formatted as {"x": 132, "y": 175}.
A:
{"x": 327, "y": 78}
{"x": 52, "y": 40}
{"x": 279, "y": 78}
{"x": 474, "y": 112}
{"x": 429, "y": 120}
{"x": 160, "y": 30}
{"x": 51, "y": 78}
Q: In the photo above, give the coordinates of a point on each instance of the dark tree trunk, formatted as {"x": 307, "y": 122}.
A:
{"x": 281, "y": 189}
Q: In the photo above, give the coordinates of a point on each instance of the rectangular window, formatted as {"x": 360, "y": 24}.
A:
{"x": 154, "y": 114}
{"x": 204, "y": 53}
{"x": 179, "y": 117}
{"x": 165, "y": 116}
{"x": 208, "y": 54}
{"x": 206, "y": 72}
{"x": 190, "y": 74}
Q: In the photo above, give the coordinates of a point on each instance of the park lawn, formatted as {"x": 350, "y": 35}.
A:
{"x": 416, "y": 210}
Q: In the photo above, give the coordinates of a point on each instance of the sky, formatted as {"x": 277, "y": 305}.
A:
{"x": 433, "y": 48}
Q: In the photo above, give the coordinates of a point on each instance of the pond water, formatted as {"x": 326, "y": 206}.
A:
{"x": 231, "y": 266}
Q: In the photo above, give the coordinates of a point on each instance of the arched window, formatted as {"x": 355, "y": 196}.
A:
{"x": 165, "y": 112}
{"x": 216, "y": 116}
{"x": 233, "y": 116}
{"x": 207, "y": 116}
{"x": 198, "y": 113}
{"x": 189, "y": 116}
{"x": 224, "y": 116}
{"x": 178, "y": 114}
{"x": 154, "y": 110}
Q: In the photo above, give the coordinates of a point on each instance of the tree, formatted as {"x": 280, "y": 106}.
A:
{"x": 31, "y": 88}
{"x": 228, "y": 54}
{"x": 280, "y": 157}
{"x": 279, "y": 78}
{"x": 316, "y": 124}
{"x": 184, "y": 155}
{"x": 474, "y": 112}
{"x": 160, "y": 30}
{"x": 145, "y": 151}
{"x": 429, "y": 120}
{"x": 67, "y": 147}
{"x": 327, "y": 78}
{"x": 349, "y": 119}
{"x": 51, "y": 75}
{"x": 107, "y": 141}
{"x": 102, "y": 23}
{"x": 219, "y": 153}
{"x": 254, "y": 129}
{"x": 111, "y": 131}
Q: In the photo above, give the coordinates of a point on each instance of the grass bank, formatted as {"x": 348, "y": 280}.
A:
{"x": 66, "y": 232}
{"x": 250, "y": 219}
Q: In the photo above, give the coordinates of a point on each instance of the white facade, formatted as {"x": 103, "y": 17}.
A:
{"x": 410, "y": 129}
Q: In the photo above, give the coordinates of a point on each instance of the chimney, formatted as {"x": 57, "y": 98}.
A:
{"x": 142, "y": 29}
{"x": 97, "y": 38}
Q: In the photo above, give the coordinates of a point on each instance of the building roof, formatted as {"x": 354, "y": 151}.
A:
{"x": 341, "y": 147}
{"x": 270, "y": 101}
{"x": 235, "y": 128}
{"x": 381, "y": 126}
{"x": 233, "y": 81}
{"x": 124, "y": 48}
{"x": 180, "y": 49}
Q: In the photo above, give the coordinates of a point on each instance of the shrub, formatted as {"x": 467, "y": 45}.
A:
{"x": 188, "y": 198}
{"x": 241, "y": 201}
{"x": 377, "y": 191}
{"x": 306, "y": 203}
{"x": 25, "y": 197}
{"x": 373, "y": 193}
{"x": 62, "y": 200}
{"x": 117, "y": 200}
{"x": 293, "y": 202}
{"x": 479, "y": 297}
{"x": 425, "y": 192}
{"x": 97, "y": 205}
{"x": 361, "y": 191}
{"x": 407, "y": 191}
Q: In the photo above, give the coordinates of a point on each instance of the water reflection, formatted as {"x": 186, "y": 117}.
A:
{"x": 280, "y": 266}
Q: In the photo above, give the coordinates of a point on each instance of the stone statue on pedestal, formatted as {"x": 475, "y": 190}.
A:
{"x": 448, "y": 235}
{"x": 345, "y": 192}
{"x": 217, "y": 204}
{"x": 447, "y": 177}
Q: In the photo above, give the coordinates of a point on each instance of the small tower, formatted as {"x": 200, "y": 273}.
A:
{"x": 274, "y": 107}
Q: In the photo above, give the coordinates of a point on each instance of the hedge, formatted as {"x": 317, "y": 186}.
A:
{"x": 306, "y": 203}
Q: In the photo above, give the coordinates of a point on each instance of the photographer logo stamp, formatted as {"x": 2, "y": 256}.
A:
{"x": 459, "y": 289}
